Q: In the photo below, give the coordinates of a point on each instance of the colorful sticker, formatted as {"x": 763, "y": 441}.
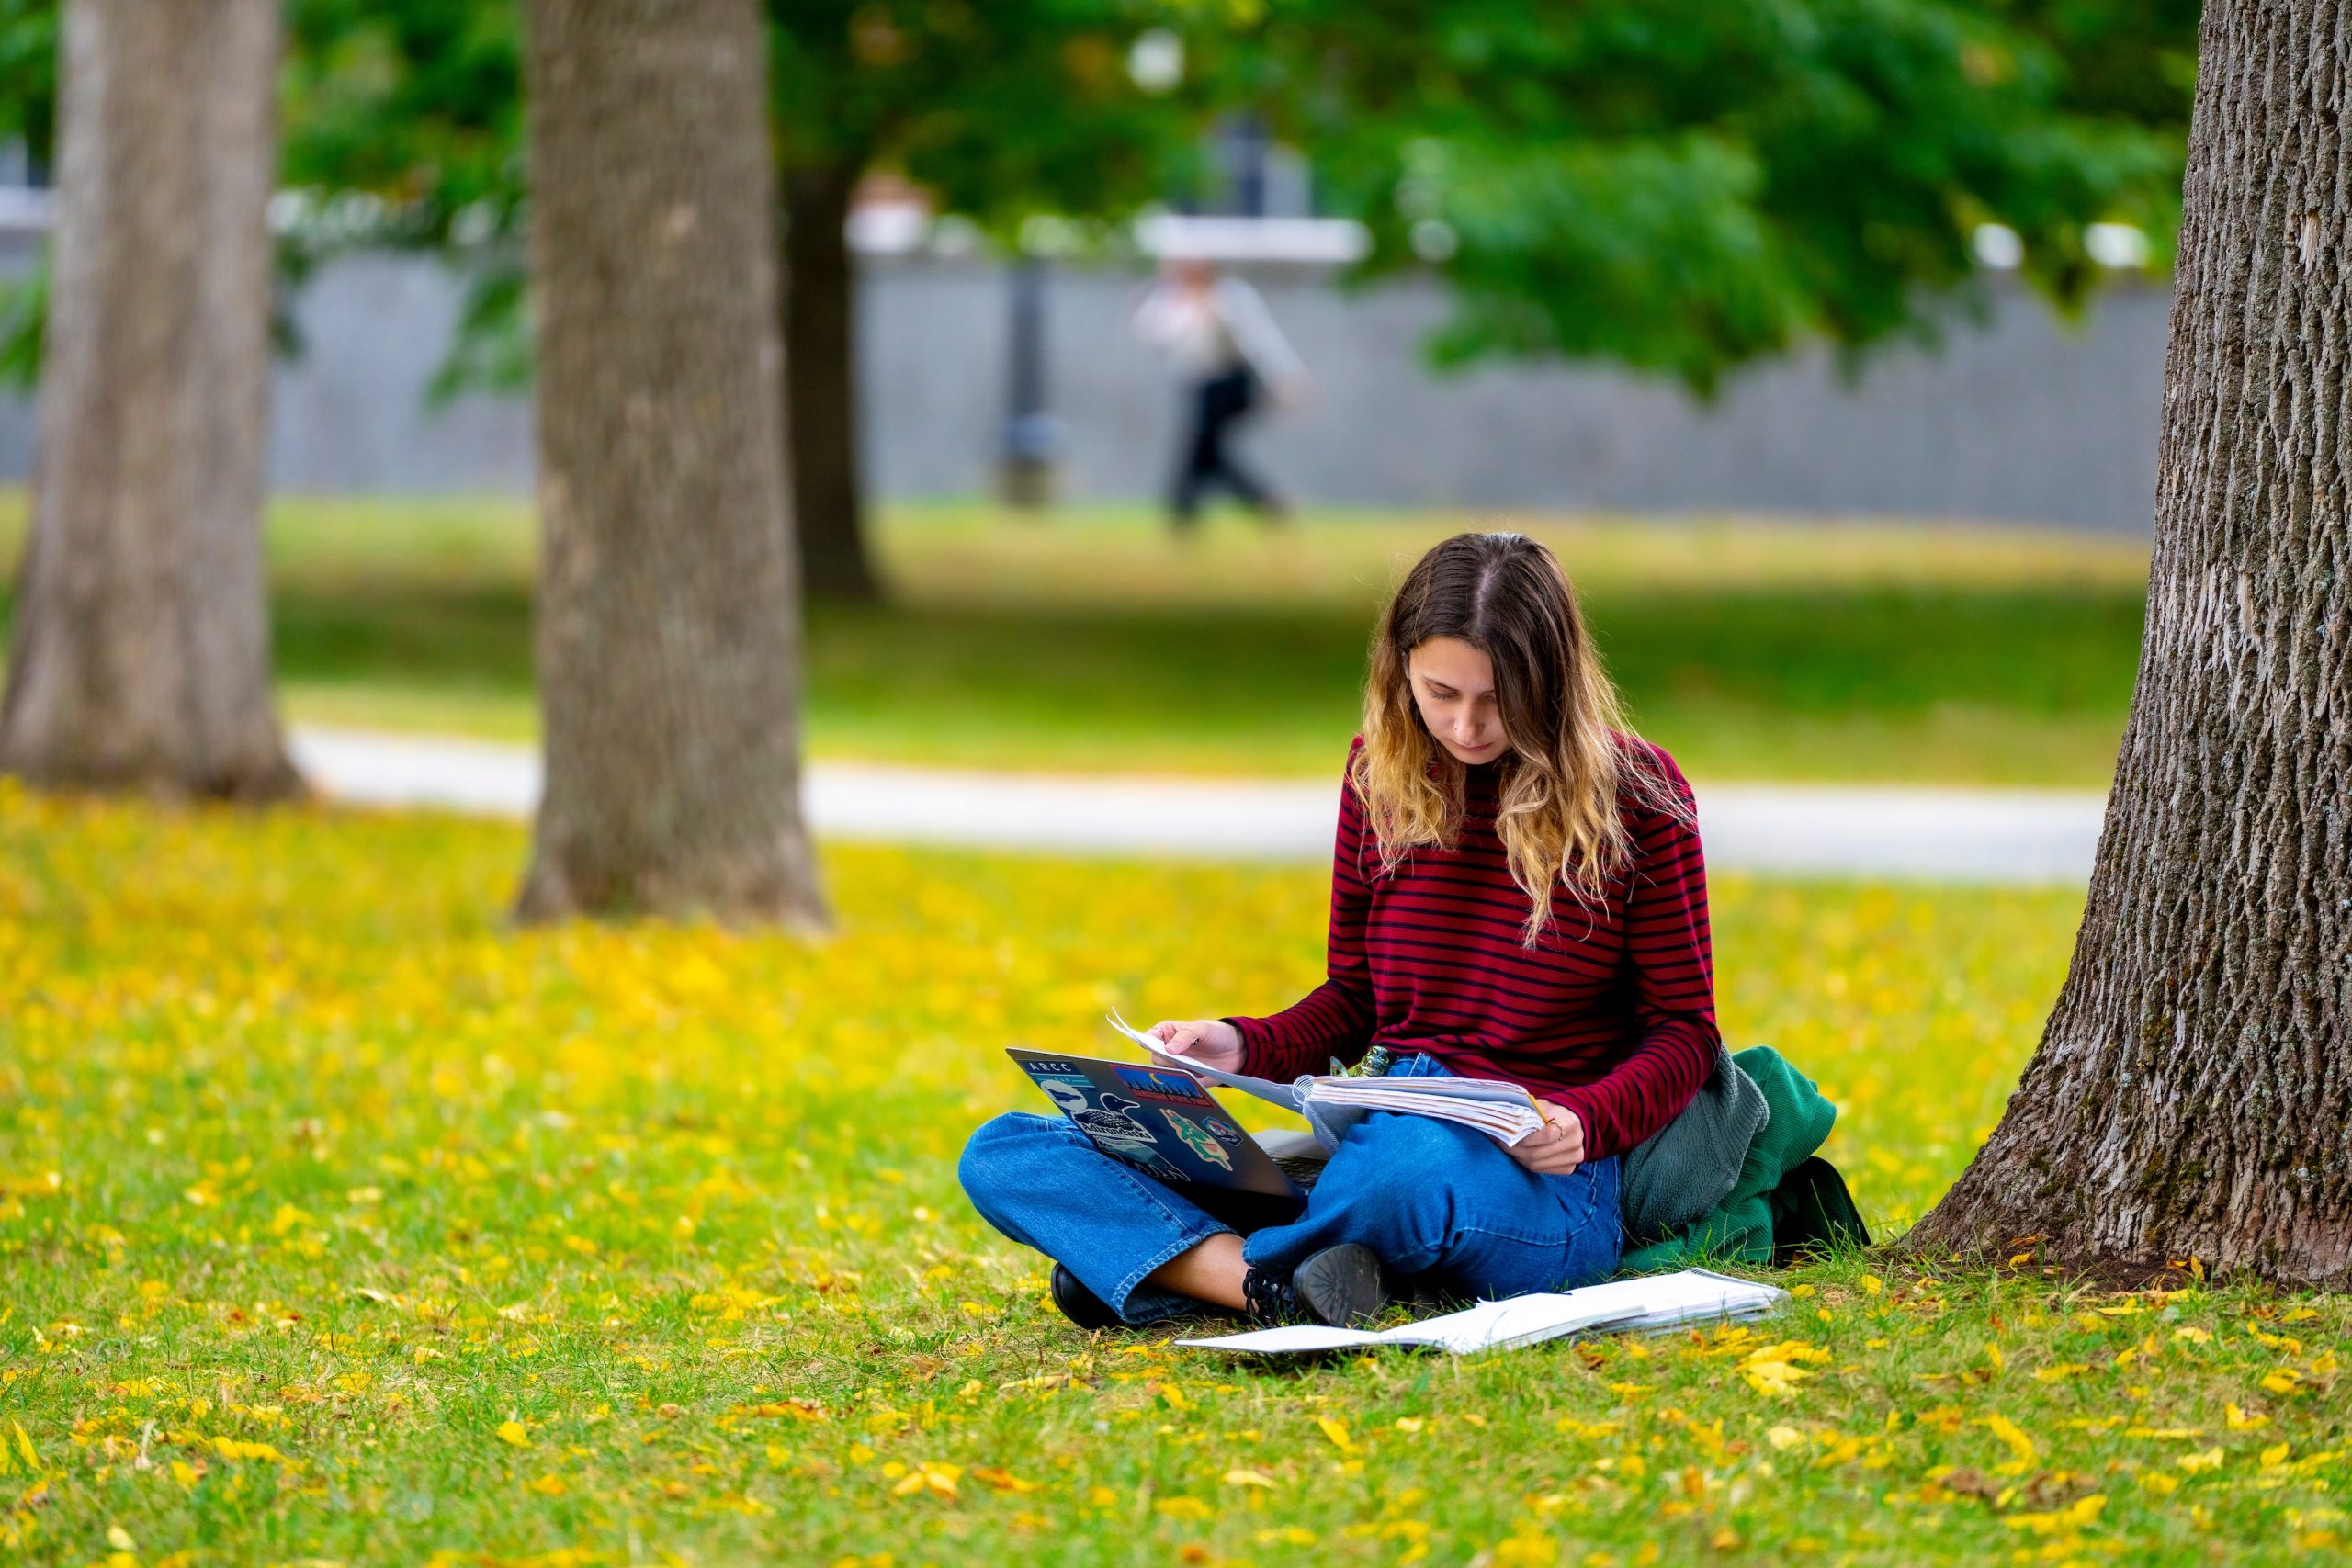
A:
{"x": 1153, "y": 1083}
{"x": 1193, "y": 1137}
{"x": 1226, "y": 1132}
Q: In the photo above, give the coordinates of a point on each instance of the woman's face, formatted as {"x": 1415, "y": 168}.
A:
{"x": 1454, "y": 687}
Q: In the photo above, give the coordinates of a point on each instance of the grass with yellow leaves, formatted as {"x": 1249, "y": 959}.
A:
{"x": 339, "y": 1221}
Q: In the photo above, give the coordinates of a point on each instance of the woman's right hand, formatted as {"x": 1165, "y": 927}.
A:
{"x": 1211, "y": 1042}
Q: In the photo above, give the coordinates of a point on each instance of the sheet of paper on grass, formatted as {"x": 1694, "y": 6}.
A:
{"x": 1658, "y": 1301}
{"x": 1504, "y": 1112}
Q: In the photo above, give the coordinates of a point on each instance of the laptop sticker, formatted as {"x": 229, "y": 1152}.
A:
{"x": 1144, "y": 1158}
{"x": 1196, "y": 1138}
{"x": 1069, "y": 1095}
{"x": 1111, "y": 1123}
{"x": 1152, "y": 1083}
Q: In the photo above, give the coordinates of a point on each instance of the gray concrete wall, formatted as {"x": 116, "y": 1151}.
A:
{"x": 2026, "y": 419}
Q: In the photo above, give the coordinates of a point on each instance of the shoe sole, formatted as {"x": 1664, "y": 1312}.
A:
{"x": 1340, "y": 1285}
{"x": 1081, "y": 1305}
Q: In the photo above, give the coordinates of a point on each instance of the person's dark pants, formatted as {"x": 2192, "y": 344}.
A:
{"x": 1217, "y": 404}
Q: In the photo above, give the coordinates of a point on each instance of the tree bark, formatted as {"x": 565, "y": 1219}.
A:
{"x": 2192, "y": 1094}
{"x": 669, "y": 629}
{"x": 821, "y": 391}
{"x": 141, "y": 654}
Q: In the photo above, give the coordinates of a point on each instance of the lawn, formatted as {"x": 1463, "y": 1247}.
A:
{"x": 341, "y": 1222}
{"x": 1088, "y": 639}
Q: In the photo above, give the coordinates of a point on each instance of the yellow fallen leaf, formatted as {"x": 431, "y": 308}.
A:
{"x": 928, "y": 1476}
{"x": 2081, "y": 1512}
{"x": 1182, "y": 1509}
{"x": 1003, "y": 1480}
{"x": 1783, "y": 1437}
{"x": 2204, "y": 1458}
{"x": 2276, "y": 1455}
{"x": 1773, "y": 1379}
{"x": 1337, "y": 1431}
{"x": 545, "y": 1485}
{"x": 1242, "y": 1475}
{"x": 2012, "y": 1434}
{"x": 512, "y": 1432}
{"x": 1871, "y": 1285}
{"x": 2237, "y": 1420}
{"x": 2060, "y": 1372}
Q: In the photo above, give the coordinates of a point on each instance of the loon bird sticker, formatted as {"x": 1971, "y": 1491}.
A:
{"x": 1111, "y": 1123}
{"x": 1198, "y": 1139}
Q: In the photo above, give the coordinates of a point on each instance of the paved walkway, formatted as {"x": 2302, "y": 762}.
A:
{"x": 1956, "y": 835}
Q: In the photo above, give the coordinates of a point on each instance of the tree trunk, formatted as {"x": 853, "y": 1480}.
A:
{"x": 820, "y": 385}
{"x": 140, "y": 656}
{"x": 2192, "y": 1095}
{"x": 669, "y": 627}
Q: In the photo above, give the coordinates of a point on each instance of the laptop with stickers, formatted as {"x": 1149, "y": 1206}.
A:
{"x": 1163, "y": 1121}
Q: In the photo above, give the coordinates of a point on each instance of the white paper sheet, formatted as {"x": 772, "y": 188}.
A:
{"x": 1658, "y": 1300}
{"x": 1282, "y": 1094}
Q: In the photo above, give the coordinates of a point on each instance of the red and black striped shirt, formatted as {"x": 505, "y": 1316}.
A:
{"x": 1611, "y": 1014}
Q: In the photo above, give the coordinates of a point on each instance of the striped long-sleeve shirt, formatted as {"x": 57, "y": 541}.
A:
{"x": 1611, "y": 1014}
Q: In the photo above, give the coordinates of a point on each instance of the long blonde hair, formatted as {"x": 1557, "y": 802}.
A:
{"x": 1571, "y": 765}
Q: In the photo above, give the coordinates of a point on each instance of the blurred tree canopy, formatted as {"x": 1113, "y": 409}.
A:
{"x": 1679, "y": 185}
{"x": 1000, "y": 109}
{"x": 1686, "y": 185}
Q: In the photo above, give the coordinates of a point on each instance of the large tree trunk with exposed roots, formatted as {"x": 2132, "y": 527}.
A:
{"x": 821, "y": 391}
{"x": 2192, "y": 1096}
{"x": 140, "y": 656}
{"x": 669, "y": 631}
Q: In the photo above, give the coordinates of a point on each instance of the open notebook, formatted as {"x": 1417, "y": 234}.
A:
{"x": 1331, "y": 1105}
{"x": 1658, "y": 1301}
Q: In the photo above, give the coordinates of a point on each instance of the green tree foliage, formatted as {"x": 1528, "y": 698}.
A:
{"x": 1677, "y": 185}
{"x": 1001, "y": 109}
{"x": 404, "y": 126}
{"x": 1686, "y": 185}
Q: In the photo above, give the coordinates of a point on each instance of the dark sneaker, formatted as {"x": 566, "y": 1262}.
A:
{"x": 1340, "y": 1285}
{"x": 1081, "y": 1305}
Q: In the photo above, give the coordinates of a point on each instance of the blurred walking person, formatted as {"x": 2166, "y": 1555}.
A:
{"x": 1221, "y": 338}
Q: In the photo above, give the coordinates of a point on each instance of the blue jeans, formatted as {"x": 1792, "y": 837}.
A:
{"x": 1431, "y": 1200}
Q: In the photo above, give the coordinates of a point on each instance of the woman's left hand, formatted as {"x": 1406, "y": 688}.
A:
{"x": 1558, "y": 1147}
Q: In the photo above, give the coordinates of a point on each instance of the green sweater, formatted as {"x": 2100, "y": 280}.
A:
{"x": 1740, "y": 1227}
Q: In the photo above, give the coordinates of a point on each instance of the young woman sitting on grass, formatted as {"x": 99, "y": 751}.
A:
{"x": 1517, "y": 892}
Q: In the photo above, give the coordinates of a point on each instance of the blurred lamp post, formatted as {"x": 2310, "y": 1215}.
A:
{"x": 1033, "y": 437}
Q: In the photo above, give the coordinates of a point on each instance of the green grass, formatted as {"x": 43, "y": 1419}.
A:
{"x": 339, "y": 1222}
{"x": 1087, "y": 639}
